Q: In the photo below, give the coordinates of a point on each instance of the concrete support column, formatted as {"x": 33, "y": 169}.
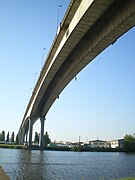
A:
{"x": 26, "y": 137}
{"x": 42, "y": 119}
{"x": 22, "y": 136}
{"x": 30, "y": 132}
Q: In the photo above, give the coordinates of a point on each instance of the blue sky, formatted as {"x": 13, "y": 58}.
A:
{"x": 101, "y": 103}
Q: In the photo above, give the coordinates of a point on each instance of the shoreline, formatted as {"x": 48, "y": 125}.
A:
{"x": 3, "y": 175}
{"x": 57, "y": 148}
{"x": 75, "y": 149}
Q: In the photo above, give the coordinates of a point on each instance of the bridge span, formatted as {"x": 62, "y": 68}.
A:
{"x": 87, "y": 29}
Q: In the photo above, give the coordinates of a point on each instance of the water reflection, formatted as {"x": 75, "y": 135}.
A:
{"x": 32, "y": 163}
{"x": 53, "y": 165}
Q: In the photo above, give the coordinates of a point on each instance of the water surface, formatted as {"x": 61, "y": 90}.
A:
{"x": 58, "y": 165}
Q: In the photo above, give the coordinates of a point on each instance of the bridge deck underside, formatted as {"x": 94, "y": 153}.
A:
{"x": 118, "y": 19}
{"x": 101, "y": 25}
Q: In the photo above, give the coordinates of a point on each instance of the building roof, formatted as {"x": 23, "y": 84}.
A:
{"x": 97, "y": 140}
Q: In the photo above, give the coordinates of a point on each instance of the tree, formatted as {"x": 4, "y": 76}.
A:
{"x": 17, "y": 139}
{"x": 7, "y": 137}
{"x": 46, "y": 139}
{"x": 12, "y": 137}
{"x": 129, "y": 143}
{"x": 3, "y": 135}
{"x": 36, "y": 139}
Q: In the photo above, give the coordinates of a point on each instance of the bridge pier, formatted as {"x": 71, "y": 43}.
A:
{"x": 30, "y": 132}
{"x": 22, "y": 136}
{"x": 26, "y": 135}
{"x": 42, "y": 120}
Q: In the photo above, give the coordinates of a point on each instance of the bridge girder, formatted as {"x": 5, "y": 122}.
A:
{"x": 76, "y": 45}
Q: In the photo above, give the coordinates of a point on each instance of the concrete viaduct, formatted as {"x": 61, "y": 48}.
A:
{"x": 87, "y": 29}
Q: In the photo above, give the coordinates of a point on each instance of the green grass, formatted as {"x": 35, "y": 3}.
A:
{"x": 11, "y": 146}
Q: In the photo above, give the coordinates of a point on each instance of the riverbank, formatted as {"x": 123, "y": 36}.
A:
{"x": 77, "y": 149}
{"x": 3, "y": 175}
{"x": 12, "y": 146}
{"x": 57, "y": 148}
{"x": 84, "y": 149}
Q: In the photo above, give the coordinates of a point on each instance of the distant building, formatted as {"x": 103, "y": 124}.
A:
{"x": 117, "y": 143}
{"x": 99, "y": 144}
{"x": 69, "y": 144}
{"x": 52, "y": 145}
{"x": 57, "y": 144}
{"x": 75, "y": 144}
{"x": 86, "y": 144}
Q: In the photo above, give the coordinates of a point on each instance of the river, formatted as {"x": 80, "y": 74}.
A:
{"x": 59, "y": 165}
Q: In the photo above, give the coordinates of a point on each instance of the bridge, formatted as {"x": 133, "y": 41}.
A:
{"x": 87, "y": 29}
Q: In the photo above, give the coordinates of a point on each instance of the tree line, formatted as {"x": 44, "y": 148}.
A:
{"x": 129, "y": 143}
{"x": 129, "y": 140}
{"x": 4, "y": 138}
{"x": 46, "y": 139}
